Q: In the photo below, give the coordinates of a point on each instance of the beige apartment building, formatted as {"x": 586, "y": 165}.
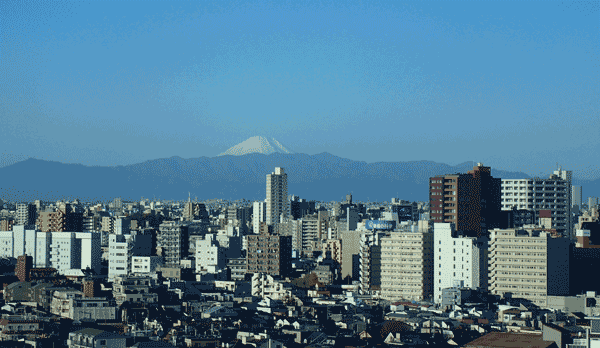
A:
{"x": 407, "y": 264}
{"x": 528, "y": 263}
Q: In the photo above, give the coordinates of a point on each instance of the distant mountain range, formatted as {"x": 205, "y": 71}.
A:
{"x": 322, "y": 177}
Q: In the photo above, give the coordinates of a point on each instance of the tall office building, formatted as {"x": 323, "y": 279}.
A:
{"x": 528, "y": 264}
{"x": 537, "y": 194}
{"x": 576, "y": 197}
{"x": 472, "y": 201}
{"x": 407, "y": 263}
{"x": 277, "y": 196}
{"x": 458, "y": 257}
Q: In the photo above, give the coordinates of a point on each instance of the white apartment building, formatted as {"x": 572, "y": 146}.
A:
{"x": 407, "y": 264}
{"x": 121, "y": 248}
{"x": 21, "y": 241}
{"x": 118, "y": 255}
{"x": 537, "y": 194}
{"x": 528, "y": 264}
{"x": 75, "y": 250}
{"x": 277, "y": 202}
{"x": 457, "y": 258}
{"x": 259, "y": 214}
{"x": 90, "y": 250}
{"x": 210, "y": 257}
{"x": 61, "y": 250}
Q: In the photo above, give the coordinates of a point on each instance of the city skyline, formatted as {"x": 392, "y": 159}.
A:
{"x": 510, "y": 84}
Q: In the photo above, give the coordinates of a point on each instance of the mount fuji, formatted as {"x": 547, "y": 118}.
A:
{"x": 257, "y": 145}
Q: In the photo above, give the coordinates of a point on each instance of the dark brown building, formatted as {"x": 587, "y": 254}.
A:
{"x": 24, "y": 263}
{"x": 269, "y": 254}
{"x": 6, "y": 225}
{"x": 471, "y": 201}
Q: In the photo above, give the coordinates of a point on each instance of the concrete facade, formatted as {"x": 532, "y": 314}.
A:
{"x": 458, "y": 258}
{"x": 537, "y": 194}
{"x": 277, "y": 196}
{"x": 529, "y": 264}
{"x": 407, "y": 265}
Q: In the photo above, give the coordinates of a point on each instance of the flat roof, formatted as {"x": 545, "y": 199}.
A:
{"x": 510, "y": 340}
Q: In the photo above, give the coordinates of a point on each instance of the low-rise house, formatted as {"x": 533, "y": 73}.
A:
{"x": 61, "y": 302}
{"x": 94, "y": 338}
{"x": 134, "y": 289}
{"x": 13, "y": 328}
{"x": 96, "y": 308}
{"x": 264, "y": 285}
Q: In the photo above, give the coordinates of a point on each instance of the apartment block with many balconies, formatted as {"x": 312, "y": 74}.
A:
{"x": 537, "y": 194}
{"x": 269, "y": 254}
{"x": 407, "y": 264}
{"x": 529, "y": 264}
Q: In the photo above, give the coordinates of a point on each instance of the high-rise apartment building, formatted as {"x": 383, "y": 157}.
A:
{"x": 470, "y": 201}
{"x": 537, "y": 194}
{"x": 458, "y": 257}
{"x": 269, "y": 254}
{"x": 61, "y": 220}
{"x": 277, "y": 196}
{"x": 407, "y": 263}
{"x": 259, "y": 214}
{"x": 370, "y": 261}
{"x": 173, "y": 242}
{"x": 26, "y": 214}
{"x": 529, "y": 264}
{"x": 308, "y": 234}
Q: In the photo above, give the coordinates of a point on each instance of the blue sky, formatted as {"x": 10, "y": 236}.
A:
{"x": 513, "y": 84}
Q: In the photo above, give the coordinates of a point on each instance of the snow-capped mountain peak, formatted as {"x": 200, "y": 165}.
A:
{"x": 256, "y": 144}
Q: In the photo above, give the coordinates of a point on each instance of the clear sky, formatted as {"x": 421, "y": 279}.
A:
{"x": 513, "y": 84}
